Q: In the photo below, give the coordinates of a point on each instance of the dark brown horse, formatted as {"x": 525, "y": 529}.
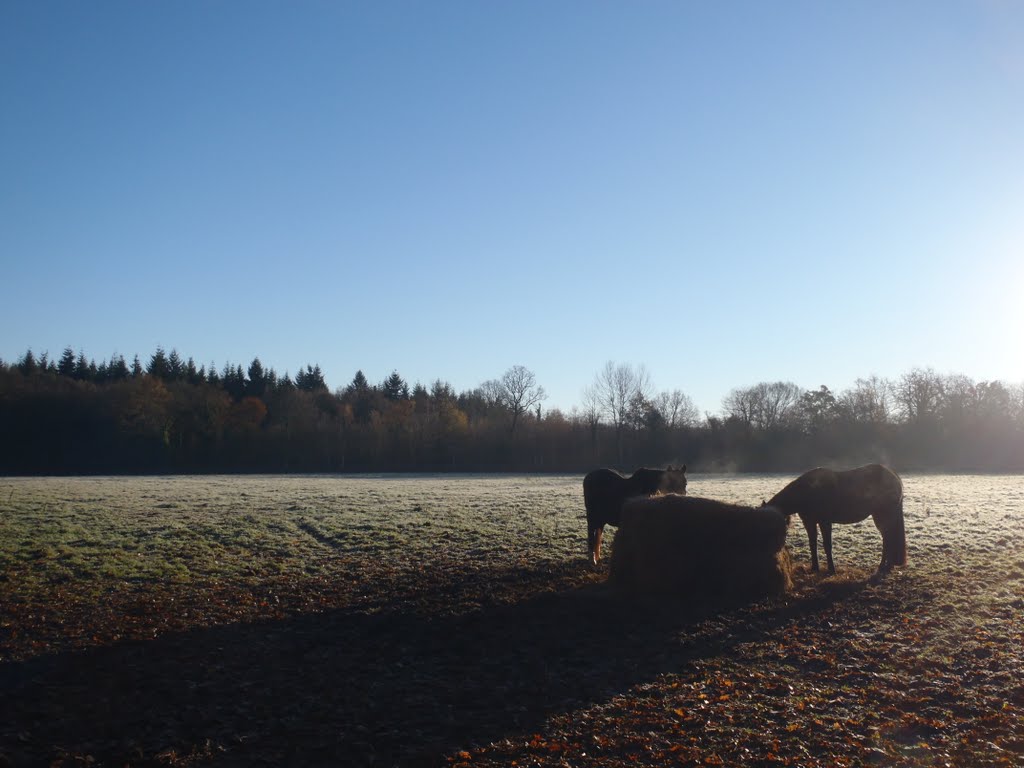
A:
{"x": 822, "y": 497}
{"x": 605, "y": 490}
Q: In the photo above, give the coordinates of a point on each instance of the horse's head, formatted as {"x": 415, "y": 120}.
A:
{"x": 673, "y": 480}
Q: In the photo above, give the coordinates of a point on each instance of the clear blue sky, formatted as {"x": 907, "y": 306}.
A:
{"x": 725, "y": 192}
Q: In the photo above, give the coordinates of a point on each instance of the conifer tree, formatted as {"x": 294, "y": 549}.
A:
{"x": 27, "y": 365}
{"x": 175, "y": 368}
{"x": 66, "y": 366}
{"x": 193, "y": 376}
{"x": 310, "y": 380}
{"x": 118, "y": 368}
{"x": 82, "y": 370}
{"x": 158, "y": 367}
{"x": 359, "y": 383}
{"x": 233, "y": 381}
{"x": 257, "y": 383}
{"x": 393, "y": 387}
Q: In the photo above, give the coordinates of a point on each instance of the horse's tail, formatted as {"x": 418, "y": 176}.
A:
{"x": 895, "y": 540}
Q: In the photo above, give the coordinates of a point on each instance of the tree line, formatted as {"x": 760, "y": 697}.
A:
{"x": 71, "y": 415}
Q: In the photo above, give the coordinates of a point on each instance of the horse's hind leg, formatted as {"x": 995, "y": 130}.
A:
{"x": 812, "y": 540}
{"x": 888, "y": 560}
{"x": 894, "y": 538}
{"x": 826, "y": 539}
{"x": 885, "y": 565}
{"x": 595, "y": 534}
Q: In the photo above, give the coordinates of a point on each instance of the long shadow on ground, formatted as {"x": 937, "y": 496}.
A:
{"x": 344, "y": 688}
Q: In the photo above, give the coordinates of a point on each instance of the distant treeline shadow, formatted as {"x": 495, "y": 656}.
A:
{"x": 356, "y": 689}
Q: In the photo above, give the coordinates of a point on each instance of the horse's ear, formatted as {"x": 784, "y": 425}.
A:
{"x": 682, "y": 468}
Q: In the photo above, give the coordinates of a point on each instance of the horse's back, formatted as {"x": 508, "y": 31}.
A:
{"x": 873, "y": 475}
{"x": 873, "y": 485}
{"x": 845, "y": 496}
{"x": 599, "y": 480}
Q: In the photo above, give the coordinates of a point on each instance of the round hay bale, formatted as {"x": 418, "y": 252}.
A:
{"x": 701, "y": 548}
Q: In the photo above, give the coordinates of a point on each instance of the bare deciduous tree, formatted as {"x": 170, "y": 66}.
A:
{"x": 764, "y": 405}
{"x": 1016, "y": 404}
{"x": 520, "y": 392}
{"x": 960, "y": 397}
{"x": 778, "y": 401}
{"x": 676, "y": 408}
{"x": 919, "y": 394}
{"x": 590, "y": 406}
{"x": 868, "y": 400}
{"x": 616, "y": 390}
{"x": 740, "y": 404}
{"x": 491, "y": 393}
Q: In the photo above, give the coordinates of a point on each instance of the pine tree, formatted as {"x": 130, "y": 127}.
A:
{"x": 257, "y": 383}
{"x": 310, "y": 380}
{"x": 66, "y": 366}
{"x": 359, "y": 383}
{"x": 82, "y": 371}
{"x": 118, "y": 368}
{"x": 360, "y": 395}
{"x": 27, "y": 365}
{"x": 233, "y": 381}
{"x": 158, "y": 367}
{"x": 393, "y": 387}
{"x": 175, "y": 368}
{"x": 193, "y": 376}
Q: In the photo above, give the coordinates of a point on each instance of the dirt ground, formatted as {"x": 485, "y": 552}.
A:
{"x": 510, "y": 655}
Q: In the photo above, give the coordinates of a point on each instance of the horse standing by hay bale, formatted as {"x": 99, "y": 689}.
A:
{"x": 712, "y": 550}
{"x": 605, "y": 491}
{"x": 822, "y": 497}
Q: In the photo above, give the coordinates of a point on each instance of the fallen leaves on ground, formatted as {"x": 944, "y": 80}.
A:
{"x": 533, "y": 668}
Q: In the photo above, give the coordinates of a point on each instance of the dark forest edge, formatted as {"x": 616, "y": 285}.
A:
{"x": 72, "y": 416}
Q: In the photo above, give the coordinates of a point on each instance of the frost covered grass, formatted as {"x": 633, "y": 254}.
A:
{"x": 102, "y": 533}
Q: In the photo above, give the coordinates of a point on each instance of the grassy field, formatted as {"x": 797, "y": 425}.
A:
{"x": 439, "y": 620}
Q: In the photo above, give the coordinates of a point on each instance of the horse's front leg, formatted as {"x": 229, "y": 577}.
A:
{"x": 812, "y": 540}
{"x": 826, "y": 539}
